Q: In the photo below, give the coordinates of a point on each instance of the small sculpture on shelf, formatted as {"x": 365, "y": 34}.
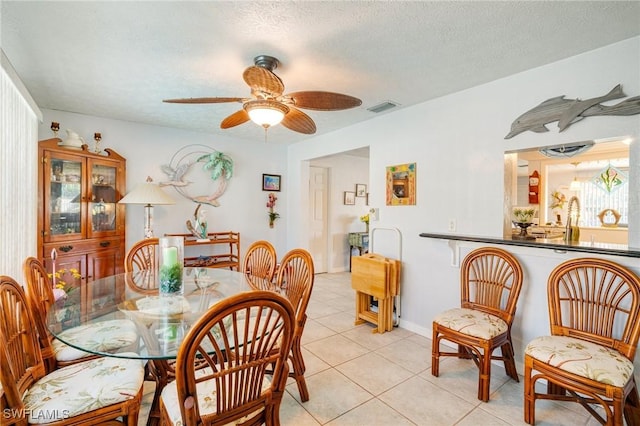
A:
{"x": 198, "y": 225}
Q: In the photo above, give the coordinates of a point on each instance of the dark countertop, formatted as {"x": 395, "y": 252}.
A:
{"x": 554, "y": 244}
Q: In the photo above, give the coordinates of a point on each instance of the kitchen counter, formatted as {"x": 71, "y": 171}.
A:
{"x": 556, "y": 244}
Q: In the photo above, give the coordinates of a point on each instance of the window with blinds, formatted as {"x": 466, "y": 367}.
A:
{"x": 594, "y": 200}
{"x": 18, "y": 172}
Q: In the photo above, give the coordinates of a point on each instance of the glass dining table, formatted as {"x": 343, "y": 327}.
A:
{"x": 161, "y": 321}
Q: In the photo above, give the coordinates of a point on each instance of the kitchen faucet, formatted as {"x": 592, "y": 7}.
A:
{"x": 572, "y": 232}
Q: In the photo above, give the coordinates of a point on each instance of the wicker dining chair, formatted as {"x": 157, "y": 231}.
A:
{"x": 490, "y": 283}
{"x": 594, "y": 314}
{"x": 141, "y": 264}
{"x": 96, "y": 391}
{"x": 295, "y": 280}
{"x": 108, "y": 335}
{"x": 259, "y": 264}
{"x": 236, "y": 338}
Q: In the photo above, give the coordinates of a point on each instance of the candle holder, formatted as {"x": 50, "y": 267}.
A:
{"x": 97, "y": 137}
{"x": 171, "y": 260}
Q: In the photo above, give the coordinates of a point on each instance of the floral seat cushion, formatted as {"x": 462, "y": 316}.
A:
{"x": 471, "y": 322}
{"x": 104, "y": 336}
{"x": 583, "y": 358}
{"x": 83, "y": 387}
{"x": 206, "y": 399}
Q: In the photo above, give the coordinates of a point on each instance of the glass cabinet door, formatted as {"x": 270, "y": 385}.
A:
{"x": 102, "y": 198}
{"x": 63, "y": 197}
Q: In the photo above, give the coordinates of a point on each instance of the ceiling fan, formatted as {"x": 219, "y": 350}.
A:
{"x": 268, "y": 106}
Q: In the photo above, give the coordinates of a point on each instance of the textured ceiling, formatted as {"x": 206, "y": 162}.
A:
{"x": 120, "y": 59}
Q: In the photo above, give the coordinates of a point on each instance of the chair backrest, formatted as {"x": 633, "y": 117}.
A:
{"x": 241, "y": 333}
{"x": 490, "y": 281}
{"x": 141, "y": 261}
{"x": 11, "y": 404}
{"x": 40, "y": 298}
{"x": 260, "y": 261}
{"x": 596, "y": 300}
{"x": 295, "y": 279}
{"x": 21, "y": 362}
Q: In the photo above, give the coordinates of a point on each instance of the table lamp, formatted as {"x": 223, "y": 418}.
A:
{"x": 149, "y": 194}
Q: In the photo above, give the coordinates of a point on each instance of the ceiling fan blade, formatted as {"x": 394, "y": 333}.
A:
{"x": 323, "y": 101}
{"x": 203, "y": 100}
{"x": 298, "y": 121}
{"x": 262, "y": 80}
{"x": 235, "y": 119}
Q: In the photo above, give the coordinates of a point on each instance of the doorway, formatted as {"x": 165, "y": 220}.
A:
{"x": 318, "y": 222}
{"x": 329, "y": 219}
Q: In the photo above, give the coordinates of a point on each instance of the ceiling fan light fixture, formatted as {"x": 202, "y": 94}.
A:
{"x": 266, "y": 113}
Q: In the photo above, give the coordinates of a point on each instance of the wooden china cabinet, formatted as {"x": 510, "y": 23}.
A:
{"x": 78, "y": 214}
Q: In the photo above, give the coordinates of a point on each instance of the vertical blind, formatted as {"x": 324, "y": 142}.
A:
{"x": 18, "y": 174}
{"x": 593, "y": 200}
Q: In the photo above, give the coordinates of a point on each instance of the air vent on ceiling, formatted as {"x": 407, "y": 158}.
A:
{"x": 383, "y": 106}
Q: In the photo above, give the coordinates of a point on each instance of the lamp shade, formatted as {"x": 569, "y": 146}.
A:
{"x": 266, "y": 113}
{"x": 147, "y": 193}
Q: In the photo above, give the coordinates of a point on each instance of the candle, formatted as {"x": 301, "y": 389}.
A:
{"x": 169, "y": 256}
{"x": 171, "y": 262}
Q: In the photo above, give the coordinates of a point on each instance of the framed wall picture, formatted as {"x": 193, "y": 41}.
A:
{"x": 361, "y": 189}
{"x": 271, "y": 182}
{"x": 349, "y": 198}
{"x": 401, "y": 185}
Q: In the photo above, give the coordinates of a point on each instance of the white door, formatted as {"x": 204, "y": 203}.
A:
{"x": 318, "y": 188}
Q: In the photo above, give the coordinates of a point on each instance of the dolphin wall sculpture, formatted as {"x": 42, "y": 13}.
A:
{"x": 569, "y": 111}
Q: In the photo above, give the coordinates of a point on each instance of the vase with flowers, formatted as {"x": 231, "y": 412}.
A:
{"x": 558, "y": 200}
{"x": 365, "y": 220}
{"x": 271, "y": 204}
{"x": 63, "y": 282}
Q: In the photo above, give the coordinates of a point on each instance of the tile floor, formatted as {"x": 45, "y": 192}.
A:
{"x": 359, "y": 378}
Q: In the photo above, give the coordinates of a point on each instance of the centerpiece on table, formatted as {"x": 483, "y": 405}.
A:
{"x": 523, "y": 221}
{"x": 171, "y": 260}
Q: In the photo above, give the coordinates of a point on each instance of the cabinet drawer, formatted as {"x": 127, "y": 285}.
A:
{"x": 78, "y": 247}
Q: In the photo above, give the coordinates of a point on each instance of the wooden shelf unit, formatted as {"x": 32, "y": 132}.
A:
{"x": 227, "y": 259}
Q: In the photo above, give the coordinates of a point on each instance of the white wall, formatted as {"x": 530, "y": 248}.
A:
{"x": 458, "y": 144}
{"x": 243, "y": 205}
{"x": 345, "y": 171}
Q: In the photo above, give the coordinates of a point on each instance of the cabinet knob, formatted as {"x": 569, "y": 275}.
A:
{"x": 105, "y": 243}
{"x": 66, "y": 248}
